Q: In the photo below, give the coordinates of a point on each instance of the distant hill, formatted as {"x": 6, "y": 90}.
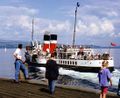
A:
{"x": 95, "y": 46}
{"x": 92, "y": 46}
{"x": 12, "y": 44}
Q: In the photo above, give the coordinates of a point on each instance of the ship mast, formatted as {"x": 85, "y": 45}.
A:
{"x": 32, "y": 29}
{"x": 75, "y": 24}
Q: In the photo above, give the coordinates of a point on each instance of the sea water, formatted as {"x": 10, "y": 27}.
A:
{"x": 7, "y": 67}
{"x": 74, "y": 78}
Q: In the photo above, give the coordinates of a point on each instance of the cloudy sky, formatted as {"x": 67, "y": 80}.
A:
{"x": 98, "y": 21}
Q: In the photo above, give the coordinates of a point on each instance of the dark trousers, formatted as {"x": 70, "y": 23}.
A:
{"x": 51, "y": 84}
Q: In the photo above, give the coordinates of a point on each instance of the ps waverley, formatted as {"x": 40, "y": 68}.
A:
{"x": 80, "y": 58}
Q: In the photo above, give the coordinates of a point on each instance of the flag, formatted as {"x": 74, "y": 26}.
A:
{"x": 78, "y": 4}
{"x": 113, "y": 44}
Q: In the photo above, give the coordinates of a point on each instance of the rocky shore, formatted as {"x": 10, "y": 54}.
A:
{"x": 32, "y": 89}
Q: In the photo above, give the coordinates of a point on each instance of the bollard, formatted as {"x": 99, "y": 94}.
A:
{"x": 118, "y": 92}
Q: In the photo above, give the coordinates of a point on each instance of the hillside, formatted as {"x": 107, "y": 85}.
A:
{"x": 12, "y": 44}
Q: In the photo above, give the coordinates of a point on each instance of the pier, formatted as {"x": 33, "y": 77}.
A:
{"x": 32, "y": 89}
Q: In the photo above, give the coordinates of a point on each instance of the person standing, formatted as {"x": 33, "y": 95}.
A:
{"x": 118, "y": 91}
{"x": 28, "y": 57}
{"x": 52, "y": 73}
{"x": 104, "y": 76}
{"x": 19, "y": 64}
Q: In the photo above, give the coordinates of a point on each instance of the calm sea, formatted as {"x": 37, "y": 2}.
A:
{"x": 7, "y": 63}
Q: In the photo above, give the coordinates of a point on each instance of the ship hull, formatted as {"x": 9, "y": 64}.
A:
{"x": 71, "y": 67}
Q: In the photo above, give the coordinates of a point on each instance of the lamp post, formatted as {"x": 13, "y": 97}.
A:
{"x": 75, "y": 23}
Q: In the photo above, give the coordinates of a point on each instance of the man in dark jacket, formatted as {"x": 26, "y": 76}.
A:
{"x": 52, "y": 73}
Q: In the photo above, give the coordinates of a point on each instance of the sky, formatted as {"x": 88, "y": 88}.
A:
{"x": 98, "y": 21}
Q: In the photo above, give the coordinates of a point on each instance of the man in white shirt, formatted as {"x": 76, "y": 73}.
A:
{"x": 19, "y": 63}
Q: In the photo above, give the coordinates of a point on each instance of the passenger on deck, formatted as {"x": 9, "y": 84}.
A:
{"x": 48, "y": 53}
{"x": 27, "y": 55}
{"x": 81, "y": 53}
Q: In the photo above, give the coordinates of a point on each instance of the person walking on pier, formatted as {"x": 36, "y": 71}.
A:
{"x": 104, "y": 76}
{"x": 52, "y": 73}
{"x": 19, "y": 64}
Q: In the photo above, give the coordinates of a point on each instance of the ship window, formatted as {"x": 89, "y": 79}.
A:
{"x": 63, "y": 62}
{"x": 75, "y": 63}
{"x": 68, "y": 62}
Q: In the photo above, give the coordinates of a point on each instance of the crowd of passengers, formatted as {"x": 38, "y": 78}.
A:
{"x": 81, "y": 54}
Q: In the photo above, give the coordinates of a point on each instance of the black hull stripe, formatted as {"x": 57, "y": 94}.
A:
{"x": 76, "y": 68}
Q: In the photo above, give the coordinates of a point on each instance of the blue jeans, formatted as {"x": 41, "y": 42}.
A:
{"x": 51, "y": 85}
{"x": 19, "y": 65}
